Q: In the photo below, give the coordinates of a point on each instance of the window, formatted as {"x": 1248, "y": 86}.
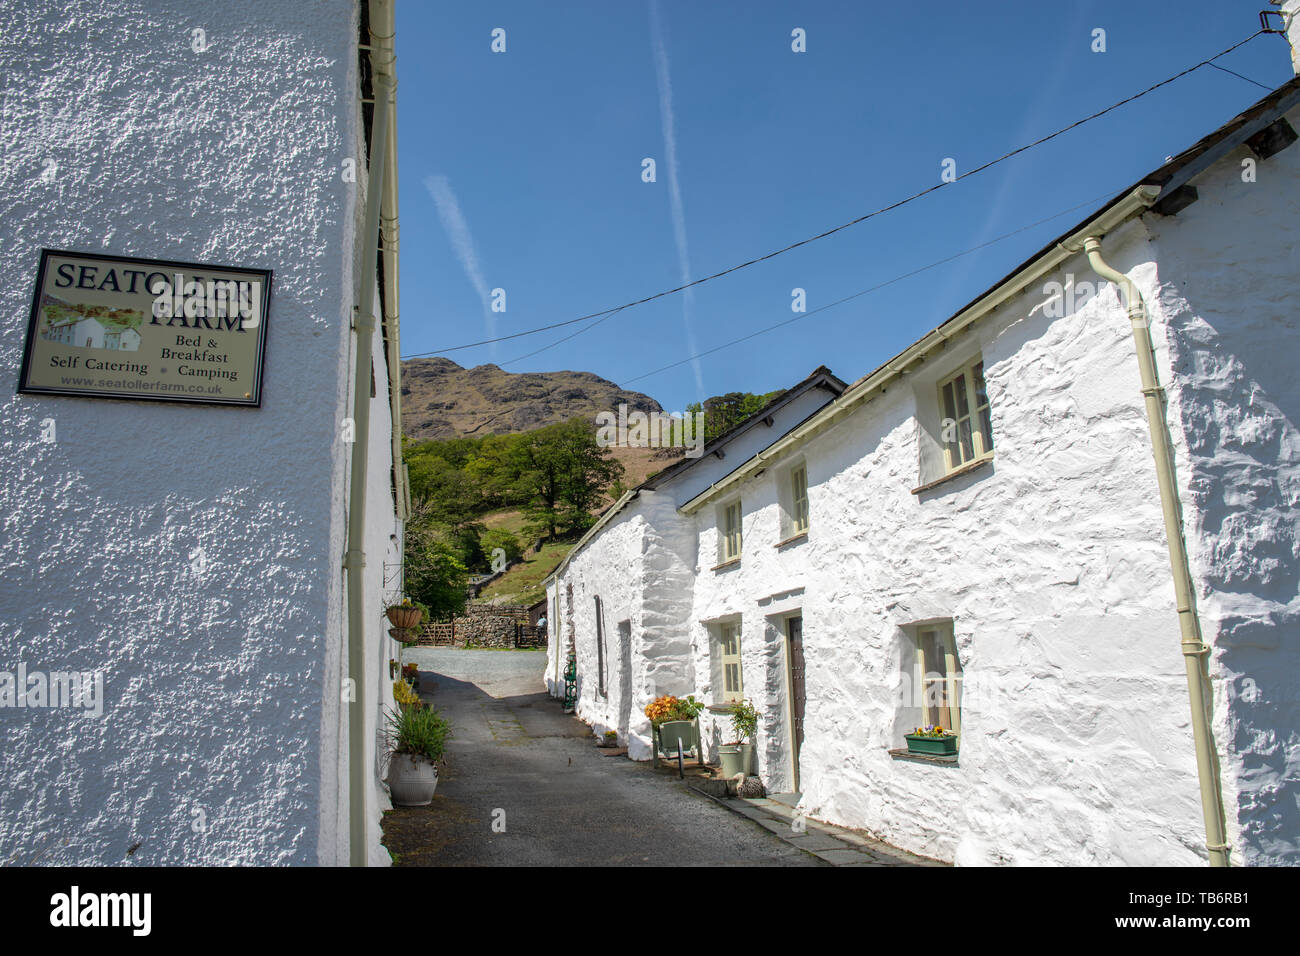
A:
{"x": 729, "y": 656}
{"x": 799, "y": 499}
{"x": 967, "y": 429}
{"x": 730, "y": 530}
{"x": 600, "y": 649}
{"x": 938, "y": 676}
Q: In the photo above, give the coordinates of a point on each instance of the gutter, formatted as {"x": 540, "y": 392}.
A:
{"x": 1195, "y": 652}
{"x": 384, "y": 82}
{"x": 1134, "y": 203}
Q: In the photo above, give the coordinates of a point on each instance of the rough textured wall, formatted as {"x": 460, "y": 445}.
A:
{"x": 1229, "y": 300}
{"x": 1053, "y": 566}
{"x": 609, "y": 567}
{"x": 214, "y": 681}
{"x": 661, "y": 663}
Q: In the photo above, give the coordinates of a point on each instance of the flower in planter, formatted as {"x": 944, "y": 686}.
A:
{"x": 935, "y": 731}
{"x": 405, "y": 695}
{"x": 663, "y": 709}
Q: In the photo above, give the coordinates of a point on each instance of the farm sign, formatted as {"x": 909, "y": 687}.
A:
{"x": 114, "y": 327}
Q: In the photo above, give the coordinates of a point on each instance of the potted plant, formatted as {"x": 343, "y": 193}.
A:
{"x": 417, "y": 737}
{"x": 738, "y": 756}
{"x": 405, "y": 618}
{"x": 932, "y": 741}
{"x": 411, "y": 674}
{"x": 674, "y": 719}
{"x": 610, "y": 739}
{"x": 404, "y": 615}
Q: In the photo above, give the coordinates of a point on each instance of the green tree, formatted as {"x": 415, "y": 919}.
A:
{"x": 435, "y": 573}
{"x": 563, "y": 474}
{"x": 509, "y": 544}
{"x": 724, "y": 412}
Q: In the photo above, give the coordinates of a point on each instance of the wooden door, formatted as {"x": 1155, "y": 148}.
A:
{"x": 798, "y": 698}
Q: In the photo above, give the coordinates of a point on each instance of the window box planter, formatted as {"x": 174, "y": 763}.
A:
{"x": 945, "y": 746}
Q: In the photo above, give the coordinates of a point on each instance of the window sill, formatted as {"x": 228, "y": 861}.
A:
{"x": 799, "y": 538}
{"x": 733, "y": 563}
{"x": 903, "y": 753}
{"x": 965, "y": 469}
{"x": 721, "y": 708}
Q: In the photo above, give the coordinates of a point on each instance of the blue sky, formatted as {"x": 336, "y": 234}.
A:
{"x": 522, "y": 170}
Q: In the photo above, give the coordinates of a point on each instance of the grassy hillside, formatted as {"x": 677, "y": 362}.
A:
{"x": 497, "y": 459}
{"x": 522, "y": 584}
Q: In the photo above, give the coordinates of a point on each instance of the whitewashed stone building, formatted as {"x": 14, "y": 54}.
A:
{"x": 628, "y": 582}
{"x": 983, "y": 518}
{"x": 197, "y": 558}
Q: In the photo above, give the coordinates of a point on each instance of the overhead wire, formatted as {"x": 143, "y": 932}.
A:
{"x": 874, "y": 288}
{"x": 607, "y": 313}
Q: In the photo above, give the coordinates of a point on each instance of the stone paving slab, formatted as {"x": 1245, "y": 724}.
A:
{"x": 829, "y": 843}
{"x": 815, "y": 842}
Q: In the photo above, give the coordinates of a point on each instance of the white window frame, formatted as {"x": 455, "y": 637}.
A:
{"x": 730, "y": 668}
{"x": 799, "y": 509}
{"x": 951, "y": 679}
{"x": 731, "y": 541}
{"x": 977, "y": 418}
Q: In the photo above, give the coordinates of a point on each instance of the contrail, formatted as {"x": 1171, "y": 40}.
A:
{"x": 462, "y": 243}
{"x": 669, "y": 123}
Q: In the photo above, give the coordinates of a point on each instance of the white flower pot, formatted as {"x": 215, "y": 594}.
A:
{"x": 412, "y": 780}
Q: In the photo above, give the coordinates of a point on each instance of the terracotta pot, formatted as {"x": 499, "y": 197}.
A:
{"x": 405, "y": 617}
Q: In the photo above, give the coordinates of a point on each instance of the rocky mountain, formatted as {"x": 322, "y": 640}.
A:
{"x": 440, "y": 399}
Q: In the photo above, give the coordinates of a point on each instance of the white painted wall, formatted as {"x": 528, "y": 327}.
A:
{"x": 1051, "y": 564}
{"x": 221, "y": 691}
{"x": 1076, "y": 744}
{"x": 1228, "y": 262}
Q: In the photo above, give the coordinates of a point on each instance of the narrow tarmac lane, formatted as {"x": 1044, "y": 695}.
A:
{"x": 525, "y": 785}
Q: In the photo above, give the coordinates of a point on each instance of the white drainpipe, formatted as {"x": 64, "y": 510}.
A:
{"x": 381, "y": 59}
{"x": 1195, "y": 651}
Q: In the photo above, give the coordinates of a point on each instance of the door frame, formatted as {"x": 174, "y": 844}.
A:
{"x": 787, "y": 647}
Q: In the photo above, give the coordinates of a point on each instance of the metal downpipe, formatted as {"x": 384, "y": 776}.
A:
{"x": 1195, "y": 652}
{"x": 381, "y": 56}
